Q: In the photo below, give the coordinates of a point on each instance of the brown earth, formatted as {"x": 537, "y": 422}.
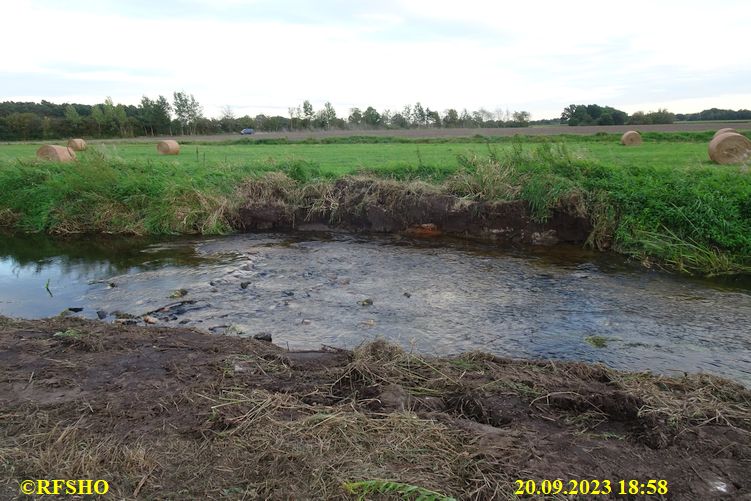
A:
{"x": 362, "y": 204}
{"x": 547, "y": 130}
{"x": 177, "y": 414}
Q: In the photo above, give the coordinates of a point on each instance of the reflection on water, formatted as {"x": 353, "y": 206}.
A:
{"x": 435, "y": 296}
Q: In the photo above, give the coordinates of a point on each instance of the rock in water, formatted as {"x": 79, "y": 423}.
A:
{"x": 263, "y": 336}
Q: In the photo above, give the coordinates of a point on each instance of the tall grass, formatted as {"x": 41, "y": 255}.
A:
{"x": 695, "y": 219}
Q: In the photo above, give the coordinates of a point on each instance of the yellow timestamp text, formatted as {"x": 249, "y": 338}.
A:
{"x": 590, "y": 487}
{"x": 56, "y": 487}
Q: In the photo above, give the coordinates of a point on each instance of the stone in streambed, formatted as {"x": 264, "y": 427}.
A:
{"x": 263, "y": 336}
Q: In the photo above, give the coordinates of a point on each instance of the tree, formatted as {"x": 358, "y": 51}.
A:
{"x": 521, "y": 118}
{"x": 227, "y": 119}
{"x": 146, "y": 112}
{"x": 295, "y": 117}
{"x": 162, "y": 116}
{"x": 355, "y": 116}
{"x": 419, "y": 115}
{"x": 25, "y": 125}
{"x": 432, "y": 118}
{"x": 407, "y": 115}
{"x": 187, "y": 110}
{"x": 568, "y": 113}
{"x": 399, "y": 121}
{"x": 592, "y": 114}
{"x": 661, "y": 116}
{"x": 98, "y": 116}
{"x": 451, "y": 118}
{"x": 307, "y": 110}
{"x": 385, "y": 117}
{"x": 371, "y": 117}
{"x": 73, "y": 118}
{"x": 638, "y": 118}
{"x": 327, "y": 115}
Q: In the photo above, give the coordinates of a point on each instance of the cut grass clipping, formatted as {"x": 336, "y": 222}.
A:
{"x": 405, "y": 491}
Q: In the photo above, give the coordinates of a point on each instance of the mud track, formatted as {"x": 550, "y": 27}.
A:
{"x": 177, "y": 414}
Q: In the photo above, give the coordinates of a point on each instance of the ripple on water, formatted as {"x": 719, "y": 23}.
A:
{"x": 436, "y": 297}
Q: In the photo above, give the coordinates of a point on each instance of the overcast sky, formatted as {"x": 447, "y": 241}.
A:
{"x": 267, "y": 55}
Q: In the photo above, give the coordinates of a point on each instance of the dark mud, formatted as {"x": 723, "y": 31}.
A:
{"x": 367, "y": 205}
{"x": 177, "y": 414}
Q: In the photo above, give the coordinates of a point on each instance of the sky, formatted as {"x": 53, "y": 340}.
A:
{"x": 264, "y": 56}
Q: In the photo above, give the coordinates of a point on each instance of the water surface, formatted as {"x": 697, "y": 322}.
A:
{"x": 432, "y": 296}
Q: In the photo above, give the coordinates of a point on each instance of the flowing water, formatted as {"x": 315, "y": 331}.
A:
{"x": 433, "y": 296}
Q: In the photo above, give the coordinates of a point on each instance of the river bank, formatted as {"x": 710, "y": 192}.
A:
{"x": 683, "y": 215}
{"x": 171, "y": 413}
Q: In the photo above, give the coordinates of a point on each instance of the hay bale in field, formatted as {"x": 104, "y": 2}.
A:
{"x": 730, "y": 148}
{"x": 168, "y": 147}
{"x": 54, "y": 153}
{"x": 723, "y": 131}
{"x": 631, "y": 138}
{"x": 77, "y": 144}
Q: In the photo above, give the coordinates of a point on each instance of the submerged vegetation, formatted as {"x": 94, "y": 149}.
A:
{"x": 686, "y": 215}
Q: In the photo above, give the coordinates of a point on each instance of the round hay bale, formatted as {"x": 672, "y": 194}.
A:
{"x": 631, "y": 138}
{"x": 54, "y": 153}
{"x": 730, "y": 148}
{"x": 168, "y": 147}
{"x": 723, "y": 131}
{"x": 77, "y": 144}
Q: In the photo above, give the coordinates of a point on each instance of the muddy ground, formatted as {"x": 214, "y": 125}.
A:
{"x": 363, "y": 204}
{"x": 177, "y": 414}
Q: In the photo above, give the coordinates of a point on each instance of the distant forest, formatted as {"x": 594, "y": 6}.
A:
{"x": 183, "y": 115}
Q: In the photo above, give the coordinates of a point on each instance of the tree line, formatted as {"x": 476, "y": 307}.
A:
{"x": 183, "y": 115}
{"x": 714, "y": 114}
{"x": 594, "y": 114}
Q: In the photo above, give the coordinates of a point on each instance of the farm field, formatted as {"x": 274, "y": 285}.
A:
{"x": 340, "y": 159}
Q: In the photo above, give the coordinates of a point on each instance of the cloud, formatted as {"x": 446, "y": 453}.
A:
{"x": 264, "y": 56}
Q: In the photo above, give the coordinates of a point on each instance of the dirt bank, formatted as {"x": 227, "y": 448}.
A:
{"x": 177, "y": 414}
{"x": 371, "y": 205}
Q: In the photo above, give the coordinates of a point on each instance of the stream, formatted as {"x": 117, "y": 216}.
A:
{"x": 438, "y": 296}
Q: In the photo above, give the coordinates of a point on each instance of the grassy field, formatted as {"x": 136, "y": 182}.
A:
{"x": 662, "y": 201}
{"x": 338, "y": 159}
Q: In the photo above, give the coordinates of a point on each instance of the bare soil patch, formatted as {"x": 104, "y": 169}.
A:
{"x": 363, "y": 204}
{"x": 177, "y": 414}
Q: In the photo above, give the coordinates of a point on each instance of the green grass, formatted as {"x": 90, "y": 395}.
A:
{"x": 662, "y": 202}
{"x": 340, "y": 159}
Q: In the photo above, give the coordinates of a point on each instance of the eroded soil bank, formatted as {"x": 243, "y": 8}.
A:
{"x": 177, "y": 414}
{"x": 369, "y": 205}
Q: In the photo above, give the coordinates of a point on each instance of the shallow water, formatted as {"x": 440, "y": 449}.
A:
{"x": 433, "y": 296}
